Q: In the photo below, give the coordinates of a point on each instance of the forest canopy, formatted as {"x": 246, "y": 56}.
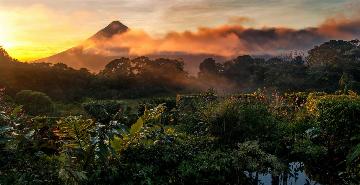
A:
{"x": 331, "y": 66}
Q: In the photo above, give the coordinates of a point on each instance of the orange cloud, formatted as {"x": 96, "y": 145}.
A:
{"x": 227, "y": 41}
{"x": 203, "y": 41}
{"x": 340, "y": 27}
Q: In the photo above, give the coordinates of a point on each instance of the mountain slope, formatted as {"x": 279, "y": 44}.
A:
{"x": 86, "y": 55}
{"x": 79, "y": 56}
{"x": 4, "y": 56}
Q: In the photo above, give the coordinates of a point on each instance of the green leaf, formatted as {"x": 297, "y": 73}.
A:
{"x": 81, "y": 175}
{"x": 136, "y": 127}
{"x": 354, "y": 154}
{"x": 116, "y": 143}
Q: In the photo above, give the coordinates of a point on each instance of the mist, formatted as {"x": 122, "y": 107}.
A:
{"x": 227, "y": 40}
{"x": 222, "y": 43}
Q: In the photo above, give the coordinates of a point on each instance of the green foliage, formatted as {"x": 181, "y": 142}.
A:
{"x": 76, "y": 149}
{"x": 308, "y": 150}
{"x": 195, "y": 139}
{"x": 69, "y": 109}
{"x": 106, "y": 110}
{"x": 353, "y": 163}
{"x": 192, "y": 110}
{"x": 149, "y": 122}
{"x": 26, "y": 148}
{"x": 336, "y": 116}
{"x": 333, "y": 136}
{"x": 35, "y": 103}
{"x": 216, "y": 140}
{"x": 169, "y": 116}
{"x": 151, "y": 154}
{"x": 228, "y": 167}
{"x": 136, "y": 127}
{"x": 334, "y": 65}
{"x": 234, "y": 121}
{"x": 192, "y": 102}
{"x": 73, "y": 131}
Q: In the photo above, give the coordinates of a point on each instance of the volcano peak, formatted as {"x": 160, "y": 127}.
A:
{"x": 114, "y": 28}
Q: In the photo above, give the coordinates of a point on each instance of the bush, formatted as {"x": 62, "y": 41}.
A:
{"x": 152, "y": 154}
{"x": 338, "y": 119}
{"x": 192, "y": 111}
{"x": 106, "y": 110}
{"x": 169, "y": 102}
{"x": 191, "y": 102}
{"x": 333, "y": 134}
{"x": 235, "y": 121}
{"x": 229, "y": 166}
{"x": 35, "y": 103}
{"x": 169, "y": 115}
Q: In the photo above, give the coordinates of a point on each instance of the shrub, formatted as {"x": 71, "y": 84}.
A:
{"x": 169, "y": 102}
{"x": 335, "y": 132}
{"x": 229, "y": 166}
{"x": 152, "y": 154}
{"x": 106, "y": 110}
{"x": 235, "y": 121}
{"x": 169, "y": 115}
{"x": 337, "y": 118}
{"x": 192, "y": 110}
{"x": 35, "y": 103}
{"x": 191, "y": 102}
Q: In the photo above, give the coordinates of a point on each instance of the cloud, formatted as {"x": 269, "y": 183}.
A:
{"x": 231, "y": 40}
{"x": 340, "y": 27}
{"x": 138, "y": 42}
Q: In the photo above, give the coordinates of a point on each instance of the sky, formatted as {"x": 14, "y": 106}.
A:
{"x": 32, "y": 29}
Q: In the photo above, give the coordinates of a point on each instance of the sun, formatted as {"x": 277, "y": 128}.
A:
{"x": 6, "y": 45}
{"x": 4, "y": 39}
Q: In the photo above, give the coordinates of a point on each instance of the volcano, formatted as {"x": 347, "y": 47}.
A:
{"x": 86, "y": 56}
{"x": 114, "y": 28}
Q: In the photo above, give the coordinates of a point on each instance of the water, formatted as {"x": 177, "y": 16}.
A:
{"x": 296, "y": 176}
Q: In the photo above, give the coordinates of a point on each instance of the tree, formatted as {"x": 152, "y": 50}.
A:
{"x": 329, "y": 61}
{"x": 333, "y": 52}
{"x": 209, "y": 67}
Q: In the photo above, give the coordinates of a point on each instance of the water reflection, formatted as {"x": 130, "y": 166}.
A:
{"x": 295, "y": 176}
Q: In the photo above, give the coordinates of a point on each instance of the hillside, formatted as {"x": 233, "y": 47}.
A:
{"x": 86, "y": 55}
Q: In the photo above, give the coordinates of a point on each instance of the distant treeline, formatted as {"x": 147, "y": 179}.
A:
{"x": 332, "y": 66}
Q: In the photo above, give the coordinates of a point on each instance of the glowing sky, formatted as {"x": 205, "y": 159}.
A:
{"x": 31, "y": 29}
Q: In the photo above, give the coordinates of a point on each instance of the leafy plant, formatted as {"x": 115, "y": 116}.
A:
{"x": 35, "y": 103}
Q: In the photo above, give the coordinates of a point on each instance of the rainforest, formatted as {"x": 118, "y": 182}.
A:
{"x": 259, "y": 100}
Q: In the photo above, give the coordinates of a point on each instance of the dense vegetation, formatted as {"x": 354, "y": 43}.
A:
{"x": 57, "y": 128}
{"x": 328, "y": 67}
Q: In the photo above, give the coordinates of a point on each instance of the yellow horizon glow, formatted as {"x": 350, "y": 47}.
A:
{"x": 35, "y": 32}
{"x": 28, "y": 51}
{"x": 29, "y": 54}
